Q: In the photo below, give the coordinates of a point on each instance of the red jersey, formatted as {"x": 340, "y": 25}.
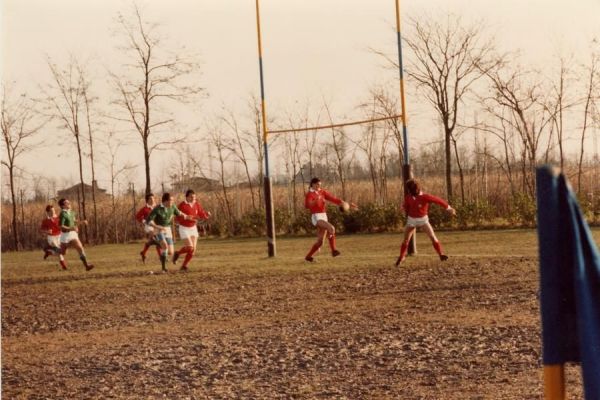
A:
{"x": 194, "y": 210}
{"x": 143, "y": 213}
{"x": 418, "y": 206}
{"x": 315, "y": 200}
{"x": 51, "y": 224}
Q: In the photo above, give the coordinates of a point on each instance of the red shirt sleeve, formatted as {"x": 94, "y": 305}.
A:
{"x": 433, "y": 199}
{"x": 139, "y": 217}
{"x": 200, "y": 212}
{"x": 180, "y": 219}
{"x": 308, "y": 199}
{"x": 331, "y": 198}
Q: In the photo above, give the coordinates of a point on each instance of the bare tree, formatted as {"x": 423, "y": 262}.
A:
{"x": 219, "y": 141}
{"x": 589, "y": 101}
{"x": 339, "y": 144}
{"x": 241, "y": 141}
{"x": 374, "y": 143}
{"x": 65, "y": 101}
{"x": 88, "y": 99}
{"x": 518, "y": 104}
{"x": 557, "y": 106}
{"x": 113, "y": 145}
{"x": 19, "y": 125}
{"x": 153, "y": 77}
{"x": 447, "y": 59}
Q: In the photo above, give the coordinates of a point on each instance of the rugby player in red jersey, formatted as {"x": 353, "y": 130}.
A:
{"x": 416, "y": 206}
{"x": 50, "y": 226}
{"x": 140, "y": 217}
{"x": 315, "y": 202}
{"x": 188, "y": 230}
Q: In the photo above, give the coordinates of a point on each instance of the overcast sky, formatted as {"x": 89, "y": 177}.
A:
{"x": 312, "y": 48}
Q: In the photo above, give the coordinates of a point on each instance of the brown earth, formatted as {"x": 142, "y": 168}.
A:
{"x": 464, "y": 329}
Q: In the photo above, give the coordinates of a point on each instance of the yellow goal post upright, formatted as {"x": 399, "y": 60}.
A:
{"x": 268, "y": 195}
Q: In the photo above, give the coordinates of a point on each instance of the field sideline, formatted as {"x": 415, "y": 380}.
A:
{"x": 241, "y": 325}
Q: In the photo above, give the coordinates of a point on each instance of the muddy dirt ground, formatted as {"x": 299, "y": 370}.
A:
{"x": 464, "y": 329}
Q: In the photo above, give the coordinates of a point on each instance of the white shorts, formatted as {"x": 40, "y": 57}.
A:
{"x": 67, "y": 237}
{"x": 417, "y": 222}
{"x": 166, "y": 235}
{"x": 318, "y": 217}
{"x": 186, "y": 232}
{"x": 53, "y": 241}
{"x": 149, "y": 229}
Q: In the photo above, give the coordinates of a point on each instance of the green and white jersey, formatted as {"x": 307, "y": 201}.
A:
{"x": 67, "y": 218}
{"x": 162, "y": 215}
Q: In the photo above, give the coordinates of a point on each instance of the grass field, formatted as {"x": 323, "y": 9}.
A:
{"x": 240, "y": 325}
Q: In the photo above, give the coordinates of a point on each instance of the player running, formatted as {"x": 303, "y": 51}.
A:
{"x": 161, "y": 218}
{"x": 416, "y": 206}
{"x": 50, "y": 226}
{"x": 69, "y": 236}
{"x": 315, "y": 202}
{"x": 140, "y": 217}
{"x": 188, "y": 231}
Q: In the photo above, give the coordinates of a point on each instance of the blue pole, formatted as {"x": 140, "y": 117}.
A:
{"x": 270, "y": 220}
{"x": 402, "y": 98}
{"x": 406, "y": 170}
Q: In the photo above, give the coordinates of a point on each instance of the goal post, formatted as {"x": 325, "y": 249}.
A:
{"x": 268, "y": 193}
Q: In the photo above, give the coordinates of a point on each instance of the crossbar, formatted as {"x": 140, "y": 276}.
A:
{"x": 314, "y": 128}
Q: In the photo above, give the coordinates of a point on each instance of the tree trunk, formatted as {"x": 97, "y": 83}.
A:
{"x": 448, "y": 152}
{"x": 147, "y": 167}
{"x": 87, "y": 108}
{"x": 83, "y": 214}
{"x": 14, "y": 209}
{"x": 460, "y": 173}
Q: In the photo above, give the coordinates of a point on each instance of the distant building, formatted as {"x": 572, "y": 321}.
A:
{"x": 73, "y": 192}
{"x": 196, "y": 183}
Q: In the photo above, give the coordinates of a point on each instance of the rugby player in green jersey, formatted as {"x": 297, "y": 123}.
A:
{"x": 69, "y": 236}
{"x": 161, "y": 218}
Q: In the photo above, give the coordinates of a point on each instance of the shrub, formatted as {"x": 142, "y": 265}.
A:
{"x": 372, "y": 218}
{"x": 523, "y": 210}
{"x": 474, "y": 213}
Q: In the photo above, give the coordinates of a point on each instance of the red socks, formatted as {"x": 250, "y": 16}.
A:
{"x": 145, "y": 249}
{"x": 189, "y": 253}
{"x": 404, "y": 249}
{"x": 188, "y": 257}
{"x": 438, "y": 247}
{"x": 332, "y": 242}
{"x": 315, "y": 248}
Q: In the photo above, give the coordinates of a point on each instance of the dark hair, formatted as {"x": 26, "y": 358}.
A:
{"x": 61, "y": 202}
{"x": 314, "y": 180}
{"x": 413, "y": 187}
{"x": 166, "y": 197}
{"x": 49, "y": 207}
{"x": 148, "y": 196}
{"x": 189, "y": 192}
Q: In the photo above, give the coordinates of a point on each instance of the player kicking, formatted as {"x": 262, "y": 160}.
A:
{"x": 416, "y": 206}
{"x": 140, "y": 217}
{"x": 161, "y": 218}
{"x": 69, "y": 236}
{"x": 188, "y": 231}
{"x": 50, "y": 226}
{"x": 315, "y": 202}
